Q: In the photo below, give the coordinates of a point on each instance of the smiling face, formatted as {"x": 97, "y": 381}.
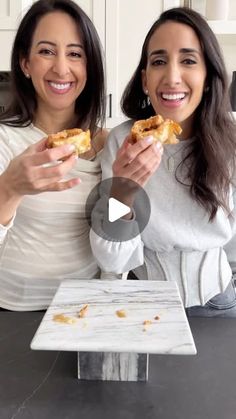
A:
{"x": 56, "y": 63}
{"x": 175, "y": 74}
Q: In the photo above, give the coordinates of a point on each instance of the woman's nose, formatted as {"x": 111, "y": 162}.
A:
{"x": 173, "y": 75}
{"x": 61, "y": 66}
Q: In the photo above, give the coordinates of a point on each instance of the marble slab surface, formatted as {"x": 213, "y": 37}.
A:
{"x": 154, "y": 318}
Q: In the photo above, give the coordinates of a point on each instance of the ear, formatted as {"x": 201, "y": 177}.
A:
{"x": 24, "y": 65}
{"x": 144, "y": 81}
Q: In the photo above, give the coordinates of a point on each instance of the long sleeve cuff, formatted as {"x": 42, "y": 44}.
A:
{"x": 4, "y": 228}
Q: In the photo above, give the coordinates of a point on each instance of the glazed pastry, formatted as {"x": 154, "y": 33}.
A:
{"x": 79, "y": 138}
{"x": 163, "y": 130}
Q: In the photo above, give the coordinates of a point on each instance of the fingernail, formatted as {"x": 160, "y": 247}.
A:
{"x": 149, "y": 140}
{"x": 159, "y": 146}
{"x": 71, "y": 147}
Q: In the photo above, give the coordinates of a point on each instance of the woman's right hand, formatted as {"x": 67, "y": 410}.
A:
{"x": 137, "y": 161}
{"x": 32, "y": 171}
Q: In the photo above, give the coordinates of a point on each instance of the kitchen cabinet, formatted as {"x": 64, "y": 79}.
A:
{"x": 11, "y": 12}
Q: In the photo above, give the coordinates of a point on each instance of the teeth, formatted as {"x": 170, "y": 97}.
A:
{"x": 176, "y": 96}
{"x": 60, "y": 86}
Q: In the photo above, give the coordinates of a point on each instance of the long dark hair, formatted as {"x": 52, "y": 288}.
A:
{"x": 90, "y": 105}
{"x": 213, "y": 152}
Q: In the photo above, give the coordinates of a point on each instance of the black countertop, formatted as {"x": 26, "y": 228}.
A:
{"x": 43, "y": 385}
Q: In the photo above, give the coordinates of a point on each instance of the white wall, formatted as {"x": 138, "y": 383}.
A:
{"x": 232, "y": 9}
{"x": 228, "y": 42}
{"x": 228, "y": 46}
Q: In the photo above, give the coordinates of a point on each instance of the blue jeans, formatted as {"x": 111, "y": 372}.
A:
{"x": 221, "y": 305}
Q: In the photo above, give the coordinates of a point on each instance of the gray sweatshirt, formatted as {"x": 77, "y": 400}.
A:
{"x": 179, "y": 243}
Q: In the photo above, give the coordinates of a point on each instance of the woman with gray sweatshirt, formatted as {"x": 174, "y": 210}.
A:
{"x": 190, "y": 235}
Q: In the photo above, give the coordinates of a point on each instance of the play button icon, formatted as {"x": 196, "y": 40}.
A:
{"x": 105, "y": 210}
{"x": 116, "y": 209}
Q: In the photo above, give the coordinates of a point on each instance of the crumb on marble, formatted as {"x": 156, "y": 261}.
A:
{"x": 83, "y": 311}
{"x": 147, "y": 322}
{"x": 61, "y": 318}
{"x": 121, "y": 313}
{"x": 157, "y": 318}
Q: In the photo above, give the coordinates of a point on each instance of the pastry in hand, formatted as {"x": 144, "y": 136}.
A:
{"x": 76, "y": 136}
{"x": 163, "y": 130}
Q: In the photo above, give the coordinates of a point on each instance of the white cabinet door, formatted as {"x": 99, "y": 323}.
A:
{"x": 127, "y": 23}
{"x": 11, "y": 12}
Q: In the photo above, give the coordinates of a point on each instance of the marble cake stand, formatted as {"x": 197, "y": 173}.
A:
{"x": 114, "y": 325}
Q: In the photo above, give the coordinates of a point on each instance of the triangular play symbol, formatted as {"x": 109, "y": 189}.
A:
{"x": 116, "y": 209}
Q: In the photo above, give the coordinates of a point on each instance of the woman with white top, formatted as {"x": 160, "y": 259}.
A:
{"x": 57, "y": 83}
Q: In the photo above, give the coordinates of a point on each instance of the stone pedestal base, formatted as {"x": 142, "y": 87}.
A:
{"x": 109, "y": 366}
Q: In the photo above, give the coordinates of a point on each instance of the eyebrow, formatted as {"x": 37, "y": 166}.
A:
{"x": 54, "y": 45}
{"x": 182, "y": 50}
